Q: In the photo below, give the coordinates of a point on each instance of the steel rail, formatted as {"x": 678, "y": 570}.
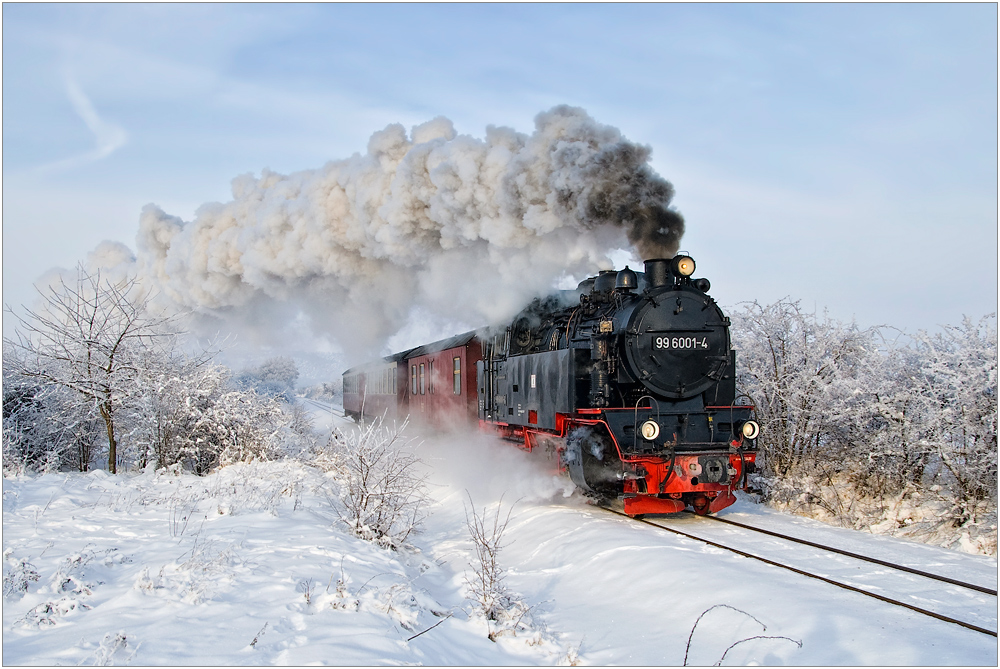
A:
{"x": 325, "y": 407}
{"x": 945, "y": 579}
{"x": 845, "y": 586}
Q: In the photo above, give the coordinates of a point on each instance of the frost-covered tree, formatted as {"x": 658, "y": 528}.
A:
{"x": 94, "y": 356}
{"x": 854, "y": 421}
{"x": 958, "y": 383}
{"x": 888, "y": 422}
{"x": 87, "y": 337}
{"x": 804, "y": 375}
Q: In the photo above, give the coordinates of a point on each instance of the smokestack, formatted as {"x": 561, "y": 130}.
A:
{"x": 658, "y": 273}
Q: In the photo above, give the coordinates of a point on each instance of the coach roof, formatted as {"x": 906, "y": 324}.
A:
{"x": 426, "y": 349}
{"x": 442, "y": 345}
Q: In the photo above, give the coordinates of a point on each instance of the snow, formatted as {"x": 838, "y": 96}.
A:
{"x": 166, "y": 568}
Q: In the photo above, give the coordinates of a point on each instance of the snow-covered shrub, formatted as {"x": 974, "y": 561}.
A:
{"x": 275, "y": 376}
{"x": 192, "y": 415}
{"x": 24, "y": 448}
{"x": 505, "y": 612}
{"x": 113, "y": 649}
{"x": 45, "y": 427}
{"x": 382, "y": 493}
{"x": 327, "y": 392}
{"x": 17, "y": 575}
{"x": 802, "y": 373}
{"x": 296, "y": 436}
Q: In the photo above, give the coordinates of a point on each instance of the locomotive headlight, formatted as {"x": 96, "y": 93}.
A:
{"x": 650, "y": 430}
{"x": 750, "y": 429}
{"x": 683, "y": 266}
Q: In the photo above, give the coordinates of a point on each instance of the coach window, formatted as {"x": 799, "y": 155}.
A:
{"x": 413, "y": 379}
{"x": 457, "y": 363}
{"x": 422, "y": 384}
{"x": 430, "y": 377}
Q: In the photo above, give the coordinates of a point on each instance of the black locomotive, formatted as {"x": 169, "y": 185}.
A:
{"x": 631, "y": 380}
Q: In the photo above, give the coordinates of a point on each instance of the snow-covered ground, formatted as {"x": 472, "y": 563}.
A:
{"x": 251, "y": 566}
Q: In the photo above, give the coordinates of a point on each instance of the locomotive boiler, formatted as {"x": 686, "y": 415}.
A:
{"x": 630, "y": 381}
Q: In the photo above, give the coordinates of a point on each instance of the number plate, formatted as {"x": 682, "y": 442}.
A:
{"x": 680, "y": 343}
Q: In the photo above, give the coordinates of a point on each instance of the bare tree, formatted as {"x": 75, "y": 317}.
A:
{"x": 86, "y": 337}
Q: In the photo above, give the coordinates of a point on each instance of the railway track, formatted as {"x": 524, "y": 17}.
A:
{"x": 325, "y": 407}
{"x": 839, "y": 584}
{"x": 856, "y": 556}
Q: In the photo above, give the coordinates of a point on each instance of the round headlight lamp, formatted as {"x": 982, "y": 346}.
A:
{"x": 650, "y": 430}
{"x": 750, "y": 429}
{"x": 683, "y": 265}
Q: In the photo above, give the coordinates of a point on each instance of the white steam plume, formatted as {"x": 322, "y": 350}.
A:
{"x": 464, "y": 228}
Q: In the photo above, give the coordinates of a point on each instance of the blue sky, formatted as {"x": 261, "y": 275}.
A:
{"x": 844, "y": 155}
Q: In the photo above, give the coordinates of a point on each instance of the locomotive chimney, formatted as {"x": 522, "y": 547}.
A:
{"x": 658, "y": 273}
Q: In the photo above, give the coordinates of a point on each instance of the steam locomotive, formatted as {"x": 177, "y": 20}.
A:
{"x": 629, "y": 381}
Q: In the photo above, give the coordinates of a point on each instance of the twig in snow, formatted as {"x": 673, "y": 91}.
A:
{"x": 719, "y": 663}
{"x": 687, "y": 649}
{"x": 431, "y": 627}
{"x": 253, "y": 644}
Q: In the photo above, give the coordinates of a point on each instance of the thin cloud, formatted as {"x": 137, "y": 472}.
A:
{"x": 108, "y": 137}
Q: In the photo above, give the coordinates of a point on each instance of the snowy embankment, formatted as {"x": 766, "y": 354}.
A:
{"x": 250, "y": 565}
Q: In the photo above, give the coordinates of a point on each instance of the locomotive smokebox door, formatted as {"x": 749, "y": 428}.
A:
{"x": 678, "y": 344}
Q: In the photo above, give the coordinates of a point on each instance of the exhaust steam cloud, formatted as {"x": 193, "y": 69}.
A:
{"x": 465, "y": 229}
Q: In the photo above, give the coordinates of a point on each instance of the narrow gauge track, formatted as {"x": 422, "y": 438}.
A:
{"x": 325, "y": 407}
{"x": 801, "y": 572}
{"x": 891, "y": 565}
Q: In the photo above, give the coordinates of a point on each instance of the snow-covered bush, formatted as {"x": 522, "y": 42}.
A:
{"x": 17, "y": 575}
{"x": 297, "y": 435}
{"x": 382, "y": 492}
{"x": 802, "y": 373}
{"x": 327, "y": 392}
{"x": 505, "y": 613}
{"x": 275, "y": 376}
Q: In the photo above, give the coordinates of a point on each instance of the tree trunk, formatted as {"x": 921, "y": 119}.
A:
{"x": 109, "y": 423}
